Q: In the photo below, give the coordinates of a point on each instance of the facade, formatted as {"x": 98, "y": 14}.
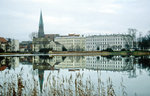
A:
{"x": 55, "y": 46}
{"x": 102, "y": 42}
{"x": 9, "y": 45}
{"x": 25, "y": 46}
{"x": 116, "y": 63}
{"x": 45, "y": 43}
{"x": 40, "y": 43}
{"x": 72, "y": 42}
{"x": 14, "y": 45}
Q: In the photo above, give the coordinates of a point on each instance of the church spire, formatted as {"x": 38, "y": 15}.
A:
{"x": 41, "y": 27}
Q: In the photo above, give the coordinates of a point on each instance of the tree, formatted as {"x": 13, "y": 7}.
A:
{"x": 45, "y": 50}
{"x": 64, "y": 49}
{"x": 144, "y": 42}
{"x": 132, "y": 32}
{"x": 97, "y": 48}
{"x": 33, "y": 35}
{"x": 1, "y": 50}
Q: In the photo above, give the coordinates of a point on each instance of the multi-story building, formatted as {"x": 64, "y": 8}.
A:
{"x": 72, "y": 42}
{"x": 25, "y": 46}
{"x": 14, "y": 45}
{"x": 102, "y": 42}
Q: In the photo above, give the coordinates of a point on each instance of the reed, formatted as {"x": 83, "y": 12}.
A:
{"x": 54, "y": 85}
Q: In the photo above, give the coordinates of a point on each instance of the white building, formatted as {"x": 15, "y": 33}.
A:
{"x": 102, "y": 42}
{"x": 72, "y": 42}
{"x": 14, "y": 45}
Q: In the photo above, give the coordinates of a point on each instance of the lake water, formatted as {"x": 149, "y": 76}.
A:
{"x": 75, "y": 75}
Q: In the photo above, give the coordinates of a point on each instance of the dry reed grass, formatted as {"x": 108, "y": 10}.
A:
{"x": 70, "y": 85}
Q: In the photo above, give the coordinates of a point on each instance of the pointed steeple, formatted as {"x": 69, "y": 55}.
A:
{"x": 41, "y": 26}
{"x": 41, "y": 20}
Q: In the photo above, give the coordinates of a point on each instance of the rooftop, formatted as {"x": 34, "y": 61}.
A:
{"x": 3, "y": 40}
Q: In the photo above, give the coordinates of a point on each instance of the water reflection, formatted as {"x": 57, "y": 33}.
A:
{"x": 8, "y": 62}
{"x": 75, "y": 63}
{"x": 116, "y": 63}
{"x": 112, "y": 63}
{"x": 122, "y": 66}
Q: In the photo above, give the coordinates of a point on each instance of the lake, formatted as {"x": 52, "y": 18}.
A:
{"x": 47, "y": 75}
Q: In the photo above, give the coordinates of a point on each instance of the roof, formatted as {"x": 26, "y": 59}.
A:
{"x": 109, "y": 35}
{"x": 3, "y": 40}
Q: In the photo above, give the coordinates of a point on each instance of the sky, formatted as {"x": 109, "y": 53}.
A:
{"x": 19, "y": 18}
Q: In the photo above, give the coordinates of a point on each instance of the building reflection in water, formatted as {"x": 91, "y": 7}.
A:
{"x": 8, "y": 62}
{"x": 72, "y": 63}
{"x": 115, "y": 63}
{"x": 42, "y": 63}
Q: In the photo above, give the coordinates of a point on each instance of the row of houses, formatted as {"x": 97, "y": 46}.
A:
{"x": 71, "y": 42}
{"x": 9, "y": 45}
{"x": 75, "y": 42}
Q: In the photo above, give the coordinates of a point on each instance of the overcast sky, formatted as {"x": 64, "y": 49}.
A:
{"x": 19, "y": 18}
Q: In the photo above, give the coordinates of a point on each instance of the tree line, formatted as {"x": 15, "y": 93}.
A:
{"x": 144, "y": 42}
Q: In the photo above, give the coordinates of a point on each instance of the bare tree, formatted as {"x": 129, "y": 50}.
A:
{"x": 33, "y": 35}
{"x": 132, "y": 32}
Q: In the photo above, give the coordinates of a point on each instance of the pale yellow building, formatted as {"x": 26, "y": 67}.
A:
{"x": 72, "y": 42}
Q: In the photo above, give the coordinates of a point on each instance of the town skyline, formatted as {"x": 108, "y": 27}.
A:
{"x": 21, "y": 18}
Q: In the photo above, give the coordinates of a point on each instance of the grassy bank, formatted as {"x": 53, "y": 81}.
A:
{"x": 105, "y": 53}
{"x": 90, "y": 53}
{"x": 12, "y": 53}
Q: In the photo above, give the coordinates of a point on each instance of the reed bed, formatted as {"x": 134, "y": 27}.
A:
{"x": 56, "y": 85}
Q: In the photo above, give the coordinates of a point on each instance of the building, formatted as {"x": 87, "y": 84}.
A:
{"x": 55, "y": 46}
{"x": 102, "y": 42}
{"x": 72, "y": 42}
{"x": 45, "y": 43}
{"x": 9, "y": 45}
{"x": 25, "y": 46}
{"x": 51, "y": 36}
{"x": 14, "y": 45}
{"x": 40, "y": 43}
{"x": 3, "y": 44}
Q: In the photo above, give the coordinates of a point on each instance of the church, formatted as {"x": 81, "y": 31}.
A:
{"x": 42, "y": 42}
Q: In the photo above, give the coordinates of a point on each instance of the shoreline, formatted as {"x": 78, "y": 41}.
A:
{"x": 83, "y": 53}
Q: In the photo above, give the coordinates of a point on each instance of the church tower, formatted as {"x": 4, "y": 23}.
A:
{"x": 41, "y": 27}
